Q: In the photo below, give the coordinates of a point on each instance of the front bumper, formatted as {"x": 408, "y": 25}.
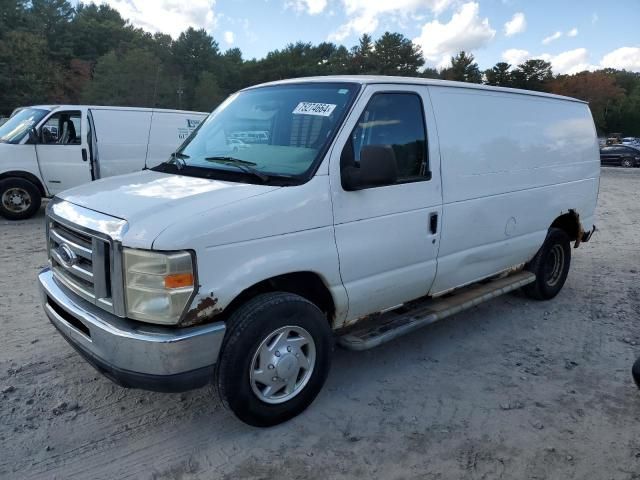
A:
{"x": 133, "y": 354}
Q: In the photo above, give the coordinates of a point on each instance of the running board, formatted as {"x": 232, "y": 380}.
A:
{"x": 391, "y": 325}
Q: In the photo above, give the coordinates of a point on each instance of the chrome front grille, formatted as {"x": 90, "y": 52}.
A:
{"x": 81, "y": 262}
{"x": 86, "y": 261}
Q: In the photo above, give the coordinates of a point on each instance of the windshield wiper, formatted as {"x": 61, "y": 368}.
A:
{"x": 243, "y": 165}
{"x": 177, "y": 159}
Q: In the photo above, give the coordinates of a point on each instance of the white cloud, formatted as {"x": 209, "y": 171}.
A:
{"x": 365, "y": 15}
{"x": 517, "y": 24}
{"x": 465, "y": 31}
{"x": 551, "y": 38}
{"x": 573, "y": 32}
{"x": 167, "y": 16}
{"x": 569, "y": 62}
{"x": 229, "y": 37}
{"x": 627, "y": 58}
{"x": 312, "y": 7}
{"x": 515, "y": 56}
{"x": 594, "y": 18}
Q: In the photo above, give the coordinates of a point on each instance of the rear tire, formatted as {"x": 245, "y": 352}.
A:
{"x": 275, "y": 358}
{"x": 635, "y": 371}
{"x": 19, "y": 198}
{"x": 550, "y": 266}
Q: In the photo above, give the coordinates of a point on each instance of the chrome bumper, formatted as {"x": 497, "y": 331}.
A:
{"x": 133, "y": 354}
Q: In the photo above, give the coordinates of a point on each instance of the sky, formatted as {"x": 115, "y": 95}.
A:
{"x": 574, "y": 35}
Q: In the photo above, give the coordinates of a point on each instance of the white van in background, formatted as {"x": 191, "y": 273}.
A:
{"x": 47, "y": 149}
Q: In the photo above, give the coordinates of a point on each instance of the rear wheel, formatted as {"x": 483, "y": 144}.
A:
{"x": 275, "y": 358}
{"x": 550, "y": 265}
{"x": 636, "y": 372}
{"x": 627, "y": 162}
{"x": 19, "y": 198}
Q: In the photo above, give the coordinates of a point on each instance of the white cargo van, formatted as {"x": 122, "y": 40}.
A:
{"x": 47, "y": 149}
{"x": 375, "y": 206}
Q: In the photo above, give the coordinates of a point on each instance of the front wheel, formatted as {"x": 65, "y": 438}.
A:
{"x": 550, "y": 266}
{"x": 19, "y": 198}
{"x": 275, "y": 358}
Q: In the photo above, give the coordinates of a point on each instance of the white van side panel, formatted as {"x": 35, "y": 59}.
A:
{"x": 122, "y": 139}
{"x": 511, "y": 164}
{"x": 168, "y": 131}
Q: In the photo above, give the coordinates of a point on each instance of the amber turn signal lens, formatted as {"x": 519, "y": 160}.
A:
{"x": 178, "y": 280}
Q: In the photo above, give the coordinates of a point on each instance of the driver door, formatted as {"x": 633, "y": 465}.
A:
{"x": 387, "y": 236}
{"x": 62, "y": 150}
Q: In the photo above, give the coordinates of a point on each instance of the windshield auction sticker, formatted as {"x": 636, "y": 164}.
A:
{"x": 310, "y": 108}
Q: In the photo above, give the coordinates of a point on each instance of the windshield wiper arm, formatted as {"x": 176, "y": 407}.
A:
{"x": 243, "y": 165}
{"x": 177, "y": 159}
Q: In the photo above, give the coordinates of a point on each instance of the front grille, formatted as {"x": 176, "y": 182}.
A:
{"x": 82, "y": 262}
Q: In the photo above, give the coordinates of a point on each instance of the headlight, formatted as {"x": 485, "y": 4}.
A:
{"x": 157, "y": 285}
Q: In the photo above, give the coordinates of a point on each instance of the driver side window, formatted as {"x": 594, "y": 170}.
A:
{"x": 62, "y": 128}
{"x": 394, "y": 121}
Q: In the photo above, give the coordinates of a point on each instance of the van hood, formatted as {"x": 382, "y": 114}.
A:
{"x": 151, "y": 201}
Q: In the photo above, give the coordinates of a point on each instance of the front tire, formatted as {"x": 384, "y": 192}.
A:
{"x": 626, "y": 163}
{"x": 19, "y": 199}
{"x": 275, "y": 358}
{"x": 550, "y": 265}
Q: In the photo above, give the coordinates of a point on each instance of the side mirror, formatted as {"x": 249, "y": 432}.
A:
{"x": 378, "y": 167}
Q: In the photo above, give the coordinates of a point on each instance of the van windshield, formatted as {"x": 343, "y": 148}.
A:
{"x": 14, "y": 129}
{"x": 280, "y": 130}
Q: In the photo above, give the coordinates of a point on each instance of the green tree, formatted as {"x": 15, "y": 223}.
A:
{"x": 430, "y": 72}
{"x": 394, "y": 54}
{"x": 26, "y": 74}
{"x": 463, "y": 69}
{"x": 52, "y": 19}
{"x": 97, "y": 30}
{"x": 134, "y": 78}
{"x": 499, "y": 75}
{"x": 12, "y": 15}
{"x": 194, "y": 52}
{"x": 533, "y": 74}
{"x": 363, "y": 57}
{"x": 208, "y": 94}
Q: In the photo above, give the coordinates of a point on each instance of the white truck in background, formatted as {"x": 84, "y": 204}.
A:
{"x": 50, "y": 148}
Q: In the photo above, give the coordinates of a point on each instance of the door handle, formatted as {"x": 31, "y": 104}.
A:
{"x": 433, "y": 223}
{"x": 84, "y": 154}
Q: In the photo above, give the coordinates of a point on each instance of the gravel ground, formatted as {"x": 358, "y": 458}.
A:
{"x": 511, "y": 389}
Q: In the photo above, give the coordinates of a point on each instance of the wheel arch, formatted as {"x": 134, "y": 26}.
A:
{"x": 309, "y": 285}
{"x": 570, "y": 223}
{"x": 27, "y": 176}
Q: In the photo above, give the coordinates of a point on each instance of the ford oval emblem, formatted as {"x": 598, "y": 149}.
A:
{"x": 67, "y": 256}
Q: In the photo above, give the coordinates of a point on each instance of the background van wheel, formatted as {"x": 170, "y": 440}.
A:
{"x": 275, "y": 358}
{"x": 627, "y": 163}
{"x": 19, "y": 198}
{"x": 550, "y": 265}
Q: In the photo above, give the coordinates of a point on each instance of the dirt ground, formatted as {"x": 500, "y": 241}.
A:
{"x": 513, "y": 389}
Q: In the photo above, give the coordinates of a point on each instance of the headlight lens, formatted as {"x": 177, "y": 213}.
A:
{"x": 157, "y": 285}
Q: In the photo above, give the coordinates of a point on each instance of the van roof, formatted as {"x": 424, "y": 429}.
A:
{"x": 106, "y": 107}
{"x": 378, "y": 79}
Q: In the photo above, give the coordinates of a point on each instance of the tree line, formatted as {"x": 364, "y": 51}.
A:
{"x": 54, "y": 52}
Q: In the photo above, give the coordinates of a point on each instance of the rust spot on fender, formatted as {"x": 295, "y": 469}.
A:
{"x": 205, "y": 309}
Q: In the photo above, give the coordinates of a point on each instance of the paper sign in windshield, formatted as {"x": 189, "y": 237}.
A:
{"x": 310, "y": 108}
